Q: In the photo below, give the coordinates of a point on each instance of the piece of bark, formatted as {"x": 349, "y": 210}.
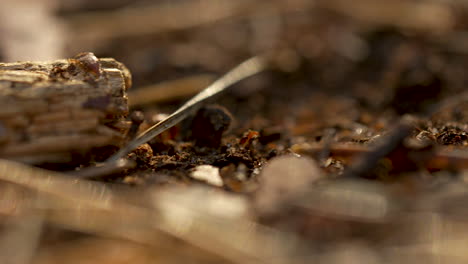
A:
{"x": 53, "y": 109}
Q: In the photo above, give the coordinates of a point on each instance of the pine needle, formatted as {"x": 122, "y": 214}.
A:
{"x": 244, "y": 70}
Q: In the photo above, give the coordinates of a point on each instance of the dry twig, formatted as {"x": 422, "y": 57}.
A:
{"x": 170, "y": 90}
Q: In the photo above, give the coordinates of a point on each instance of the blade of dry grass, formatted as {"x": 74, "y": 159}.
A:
{"x": 244, "y": 70}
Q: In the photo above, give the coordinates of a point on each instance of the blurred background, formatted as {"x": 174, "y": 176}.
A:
{"x": 343, "y": 72}
{"x": 324, "y": 46}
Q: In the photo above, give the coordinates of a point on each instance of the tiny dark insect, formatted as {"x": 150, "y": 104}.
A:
{"x": 89, "y": 62}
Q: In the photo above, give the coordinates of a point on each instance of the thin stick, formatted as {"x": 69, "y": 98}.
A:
{"x": 398, "y": 134}
{"x": 367, "y": 161}
{"x": 443, "y": 158}
{"x": 170, "y": 90}
{"x": 246, "y": 69}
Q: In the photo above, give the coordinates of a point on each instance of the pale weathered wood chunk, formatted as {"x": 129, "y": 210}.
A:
{"x": 50, "y": 110}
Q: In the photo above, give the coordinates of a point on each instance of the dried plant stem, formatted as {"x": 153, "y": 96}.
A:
{"x": 246, "y": 69}
{"x": 170, "y": 90}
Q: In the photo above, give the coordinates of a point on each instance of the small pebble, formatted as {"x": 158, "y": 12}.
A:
{"x": 208, "y": 174}
{"x": 89, "y": 62}
{"x": 142, "y": 154}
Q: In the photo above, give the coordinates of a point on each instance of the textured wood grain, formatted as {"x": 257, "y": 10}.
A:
{"x": 50, "y": 110}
